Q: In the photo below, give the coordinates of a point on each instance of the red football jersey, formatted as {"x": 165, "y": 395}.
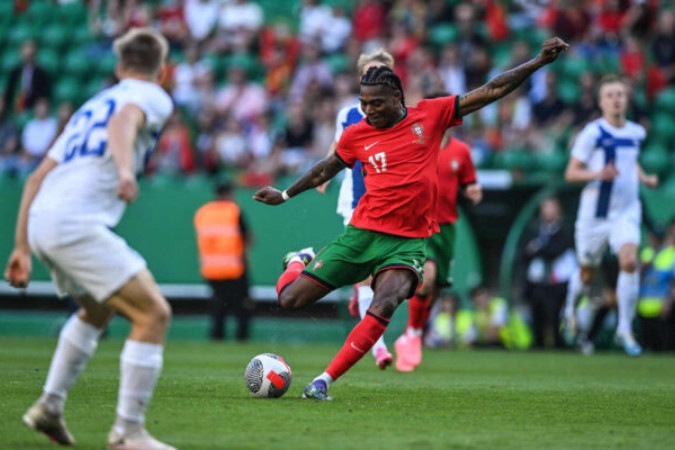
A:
{"x": 455, "y": 169}
{"x": 400, "y": 165}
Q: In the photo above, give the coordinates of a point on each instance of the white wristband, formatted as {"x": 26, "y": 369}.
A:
{"x": 285, "y": 195}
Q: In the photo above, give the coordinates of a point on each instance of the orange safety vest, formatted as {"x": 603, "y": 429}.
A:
{"x": 220, "y": 241}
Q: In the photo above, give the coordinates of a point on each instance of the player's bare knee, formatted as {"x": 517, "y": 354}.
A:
{"x": 629, "y": 265}
{"x": 290, "y": 300}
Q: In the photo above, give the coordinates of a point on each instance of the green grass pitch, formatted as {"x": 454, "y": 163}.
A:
{"x": 455, "y": 400}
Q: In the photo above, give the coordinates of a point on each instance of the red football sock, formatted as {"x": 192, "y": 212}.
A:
{"x": 418, "y": 312}
{"x": 292, "y": 272}
{"x": 358, "y": 343}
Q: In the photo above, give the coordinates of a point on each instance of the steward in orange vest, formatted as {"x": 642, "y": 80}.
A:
{"x": 221, "y": 241}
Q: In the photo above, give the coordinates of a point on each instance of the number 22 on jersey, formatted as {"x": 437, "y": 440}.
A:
{"x": 87, "y": 130}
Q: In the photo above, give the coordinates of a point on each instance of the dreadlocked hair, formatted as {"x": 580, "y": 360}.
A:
{"x": 383, "y": 75}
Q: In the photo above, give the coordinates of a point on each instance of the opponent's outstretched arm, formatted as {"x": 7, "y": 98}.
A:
{"x": 508, "y": 81}
{"x": 317, "y": 175}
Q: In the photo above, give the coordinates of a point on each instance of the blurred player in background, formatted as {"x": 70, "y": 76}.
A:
{"x": 605, "y": 157}
{"x": 351, "y": 191}
{"x": 387, "y": 235}
{"x": 456, "y": 173}
{"x": 69, "y": 206}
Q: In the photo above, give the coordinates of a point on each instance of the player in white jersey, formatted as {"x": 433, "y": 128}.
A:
{"x": 69, "y": 205}
{"x": 351, "y": 191}
{"x": 605, "y": 157}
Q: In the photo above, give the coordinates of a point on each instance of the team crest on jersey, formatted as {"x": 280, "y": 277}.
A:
{"x": 418, "y": 131}
{"x": 318, "y": 265}
{"x": 454, "y": 165}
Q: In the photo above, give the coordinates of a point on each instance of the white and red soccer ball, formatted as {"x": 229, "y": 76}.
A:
{"x": 268, "y": 376}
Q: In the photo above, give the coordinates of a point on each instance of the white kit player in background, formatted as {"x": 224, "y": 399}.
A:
{"x": 605, "y": 157}
{"x": 351, "y": 191}
{"x": 68, "y": 208}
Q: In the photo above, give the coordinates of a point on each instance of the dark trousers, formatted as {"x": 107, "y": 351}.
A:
{"x": 230, "y": 297}
{"x": 658, "y": 333}
{"x": 546, "y": 302}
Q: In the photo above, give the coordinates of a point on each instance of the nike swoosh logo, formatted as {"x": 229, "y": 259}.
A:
{"x": 367, "y": 147}
{"x": 356, "y": 348}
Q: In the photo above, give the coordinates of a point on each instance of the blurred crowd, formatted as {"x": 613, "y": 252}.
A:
{"x": 258, "y": 83}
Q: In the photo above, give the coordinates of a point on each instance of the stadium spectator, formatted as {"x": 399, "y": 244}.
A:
{"x": 241, "y": 98}
{"x": 311, "y": 69}
{"x": 294, "y": 148}
{"x": 36, "y": 137}
{"x": 231, "y": 145}
{"x": 174, "y": 153}
{"x": 441, "y": 331}
{"x": 387, "y": 232}
{"x": 69, "y": 216}
{"x": 223, "y": 239}
{"x": 547, "y": 255}
{"x": 239, "y": 22}
{"x": 9, "y": 141}
{"x": 201, "y": 17}
{"x": 604, "y": 157}
{"x": 171, "y": 21}
{"x": 663, "y": 44}
{"x": 370, "y": 22}
{"x": 336, "y": 31}
{"x": 313, "y": 20}
{"x": 485, "y": 322}
{"x": 187, "y": 78}
{"x": 27, "y": 82}
{"x": 451, "y": 69}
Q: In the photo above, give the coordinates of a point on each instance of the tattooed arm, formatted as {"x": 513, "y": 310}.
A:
{"x": 316, "y": 176}
{"x": 506, "y": 82}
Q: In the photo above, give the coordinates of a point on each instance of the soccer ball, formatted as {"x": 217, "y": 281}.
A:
{"x": 268, "y": 376}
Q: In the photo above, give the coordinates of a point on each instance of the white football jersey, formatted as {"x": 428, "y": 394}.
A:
{"x": 353, "y": 186}
{"x": 83, "y": 186}
{"x": 596, "y": 145}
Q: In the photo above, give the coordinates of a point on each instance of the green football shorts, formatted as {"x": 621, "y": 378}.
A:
{"x": 358, "y": 253}
{"x": 441, "y": 250}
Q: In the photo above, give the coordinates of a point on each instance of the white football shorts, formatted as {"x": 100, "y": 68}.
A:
{"x": 592, "y": 237}
{"x": 83, "y": 258}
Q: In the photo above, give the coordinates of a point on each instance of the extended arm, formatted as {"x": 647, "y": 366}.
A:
{"x": 508, "y": 81}
{"x": 319, "y": 174}
{"x": 321, "y": 189}
{"x": 122, "y": 130}
{"x": 19, "y": 266}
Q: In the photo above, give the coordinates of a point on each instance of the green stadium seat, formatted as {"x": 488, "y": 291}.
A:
{"x": 77, "y": 64}
{"x": 552, "y": 162}
{"x": 442, "y": 34}
{"x": 40, "y": 12}
{"x": 106, "y": 65}
{"x": 68, "y": 89}
{"x": 49, "y": 60}
{"x": 81, "y": 36}
{"x": 514, "y": 159}
{"x": 665, "y": 100}
{"x": 338, "y": 63}
{"x": 20, "y": 32}
{"x": 55, "y": 36}
{"x": 9, "y": 60}
{"x": 74, "y": 14}
{"x": 662, "y": 127}
{"x": 568, "y": 90}
{"x": 655, "y": 159}
{"x": 7, "y": 12}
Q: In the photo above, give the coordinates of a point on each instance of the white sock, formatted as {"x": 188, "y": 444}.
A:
{"x": 575, "y": 290}
{"x": 140, "y": 366}
{"x": 365, "y": 299}
{"x": 325, "y": 378}
{"x": 77, "y": 343}
{"x": 627, "y": 287}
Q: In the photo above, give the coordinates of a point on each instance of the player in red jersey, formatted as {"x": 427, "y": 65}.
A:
{"x": 387, "y": 234}
{"x": 455, "y": 171}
